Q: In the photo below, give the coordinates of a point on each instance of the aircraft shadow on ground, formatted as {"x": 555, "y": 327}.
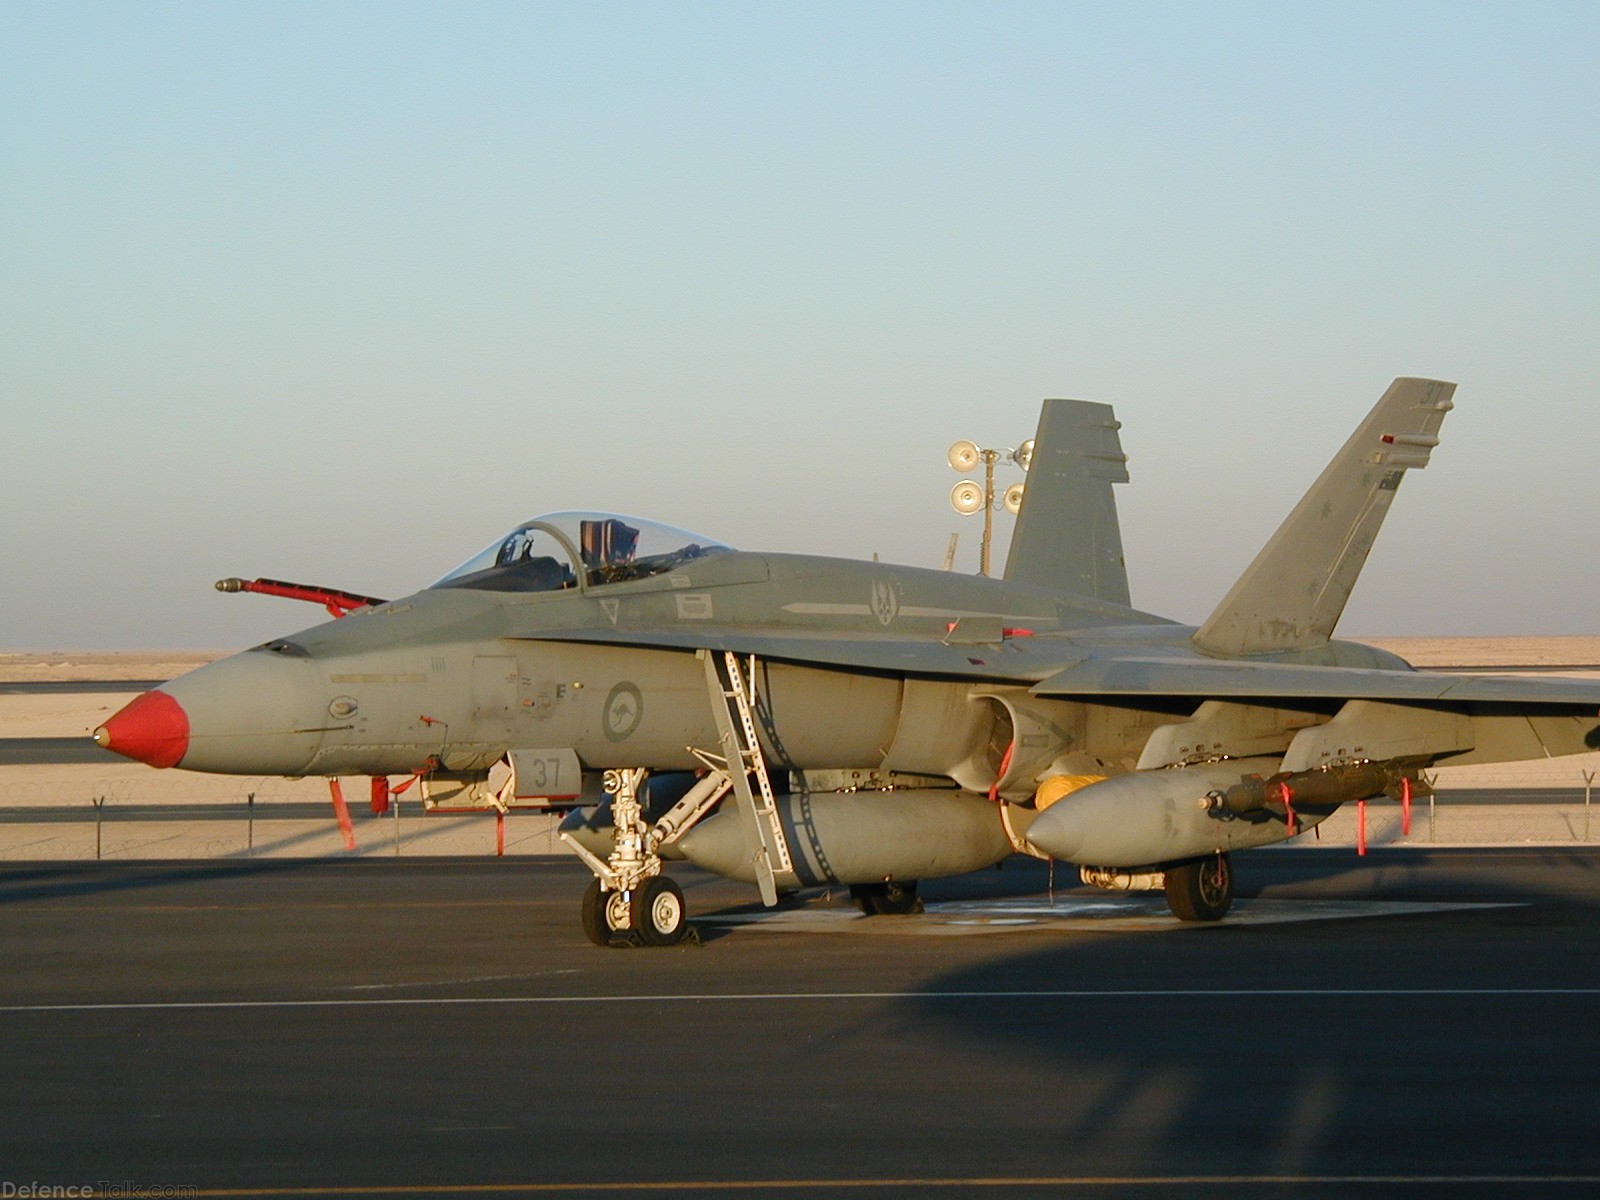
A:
{"x": 20, "y": 882}
{"x": 67, "y": 880}
{"x": 1358, "y": 1047}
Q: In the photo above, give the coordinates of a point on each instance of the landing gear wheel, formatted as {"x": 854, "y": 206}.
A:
{"x": 658, "y": 912}
{"x": 886, "y": 899}
{"x": 1200, "y": 890}
{"x": 605, "y": 914}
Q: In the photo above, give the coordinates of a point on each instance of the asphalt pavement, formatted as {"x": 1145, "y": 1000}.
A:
{"x": 75, "y": 687}
{"x": 54, "y": 751}
{"x": 1415, "y": 1023}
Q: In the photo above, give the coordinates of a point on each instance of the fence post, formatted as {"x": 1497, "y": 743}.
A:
{"x": 1588, "y": 794}
{"x": 99, "y": 803}
{"x": 250, "y": 824}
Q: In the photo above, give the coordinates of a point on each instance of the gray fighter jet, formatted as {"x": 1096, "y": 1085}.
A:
{"x": 795, "y": 721}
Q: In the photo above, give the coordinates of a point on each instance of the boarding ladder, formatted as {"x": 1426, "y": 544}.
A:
{"x": 741, "y": 749}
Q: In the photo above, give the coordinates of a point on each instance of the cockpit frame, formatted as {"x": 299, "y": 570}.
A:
{"x": 600, "y": 549}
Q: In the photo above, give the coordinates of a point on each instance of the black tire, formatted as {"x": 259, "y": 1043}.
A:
{"x": 594, "y": 915}
{"x": 886, "y": 899}
{"x": 658, "y": 913}
{"x": 602, "y": 913}
{"x": 1201, "y": 889}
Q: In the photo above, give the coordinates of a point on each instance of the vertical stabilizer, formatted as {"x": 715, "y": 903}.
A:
{"x": 1067, "y": 535}
{"x": 1291, "y": 596}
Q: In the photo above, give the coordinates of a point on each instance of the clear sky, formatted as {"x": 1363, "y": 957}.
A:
{"x": 338, "y": 292}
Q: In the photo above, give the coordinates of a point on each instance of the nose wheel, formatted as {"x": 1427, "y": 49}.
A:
{"x": 658, "y": 914}
{"x": 630, "y": 902}
{"x": 652, "y": 914}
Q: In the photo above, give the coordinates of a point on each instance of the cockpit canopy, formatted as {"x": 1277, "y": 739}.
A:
{"x": 556, "y": 551}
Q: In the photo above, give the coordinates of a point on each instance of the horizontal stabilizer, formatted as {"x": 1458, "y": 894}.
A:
{"x": 1291, "y": 596}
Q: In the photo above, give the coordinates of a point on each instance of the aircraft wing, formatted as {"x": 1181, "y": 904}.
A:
{"x": 1216, "y": 679}
{"x": 1011, "y": 660}
{"x": 1054, "y": 669}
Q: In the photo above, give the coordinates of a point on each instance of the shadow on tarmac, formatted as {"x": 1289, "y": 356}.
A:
{"x": 1442, "y": 1045}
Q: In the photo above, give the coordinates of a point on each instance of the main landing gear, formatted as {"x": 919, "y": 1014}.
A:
{"x": 889, "y": 899}
{"x": 1200, "y": 889}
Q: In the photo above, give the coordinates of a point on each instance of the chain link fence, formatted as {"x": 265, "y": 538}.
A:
{"x": 123, "y": 817}
{"x": 130, "y": 815}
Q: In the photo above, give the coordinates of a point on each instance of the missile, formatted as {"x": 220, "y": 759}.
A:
{"x": 862, "y": 837}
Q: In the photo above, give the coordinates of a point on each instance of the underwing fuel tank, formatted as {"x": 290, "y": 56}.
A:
{"x": 861, "y": 837}
{"x": 1150, "y": 817}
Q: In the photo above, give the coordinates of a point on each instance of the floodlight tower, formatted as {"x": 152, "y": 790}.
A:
{"x": 968, "y": 498}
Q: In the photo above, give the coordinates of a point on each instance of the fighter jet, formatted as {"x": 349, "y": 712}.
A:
{"x": 794, "y": 721}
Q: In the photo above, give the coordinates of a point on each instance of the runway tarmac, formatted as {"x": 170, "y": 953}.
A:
{"x": 54, "y": 751}
{"x": 75, "y": 687}
{"x": 1414, "y": 1023}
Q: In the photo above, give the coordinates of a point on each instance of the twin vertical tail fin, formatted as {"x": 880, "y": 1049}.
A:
{"x": 1291, "y": 596}
{"x": 1067, "y": 535}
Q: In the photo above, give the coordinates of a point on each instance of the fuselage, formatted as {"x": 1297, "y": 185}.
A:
{"x": 453, "y": 676}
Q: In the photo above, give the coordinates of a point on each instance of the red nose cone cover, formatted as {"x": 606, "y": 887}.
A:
{"x": 153, "y": 729}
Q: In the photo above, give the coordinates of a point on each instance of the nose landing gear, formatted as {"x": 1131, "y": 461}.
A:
{"x": 650, "y": 915}
{"x": 629, "y": 901}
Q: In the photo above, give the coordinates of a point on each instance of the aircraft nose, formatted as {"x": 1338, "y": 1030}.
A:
{"x": 250, "y": 714}
{"x": 255, "y": 713}
{"x": 152, "y": 729}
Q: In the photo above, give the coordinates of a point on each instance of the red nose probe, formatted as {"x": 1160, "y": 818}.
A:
{"x": 153, "y": 729}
